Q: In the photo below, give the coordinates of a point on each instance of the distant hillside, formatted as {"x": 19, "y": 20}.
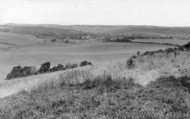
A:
{"x": 148, "y": 30}
{"x": 43, "y": 31}
{"x": 180, "y": 32}
{"x": 126, "y": 29}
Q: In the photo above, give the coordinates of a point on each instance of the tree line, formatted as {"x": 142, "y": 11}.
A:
{"x": 19, "y": 71}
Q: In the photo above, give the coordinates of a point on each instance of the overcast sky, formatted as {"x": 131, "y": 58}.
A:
{"x": 96, "y": 12}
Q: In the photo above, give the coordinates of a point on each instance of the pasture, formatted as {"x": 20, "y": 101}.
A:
{"x": 18, "y": 39}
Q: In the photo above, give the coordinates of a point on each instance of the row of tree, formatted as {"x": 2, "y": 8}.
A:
{"x": 18, "y": 71}
{"x": 128, "y": 38}
{"x": 176, "y": 51}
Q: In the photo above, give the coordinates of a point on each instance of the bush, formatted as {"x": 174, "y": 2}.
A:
{"x": 18, "y": 71}
{"x": 187, "y": 46}
{"x": 84, "y": 63}
{"x": 59, "y": 67}
{"x": 45, "y": 67}
{"x": 70, "y": 66}
{"x": 98, "y": 82}
{"x": 53, "y": 40}
{"x": 172, "y": 82}
{"x": 130, "y": 63}
{"x": 15, "y": 73}
{"x": 28, "y": 70}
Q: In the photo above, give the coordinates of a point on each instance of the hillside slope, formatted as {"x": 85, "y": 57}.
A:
{"x": 153, "y": 85}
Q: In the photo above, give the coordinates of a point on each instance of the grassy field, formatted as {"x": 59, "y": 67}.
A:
{"x": 96, "y": 52}
{"x": 18, "y": 39}
{"x": 146, "y": 70}
{"x": 156, "y": 87}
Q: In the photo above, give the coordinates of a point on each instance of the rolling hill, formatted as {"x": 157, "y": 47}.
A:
{"x": 156, "y": 87}
{"x": 181, "y": 32}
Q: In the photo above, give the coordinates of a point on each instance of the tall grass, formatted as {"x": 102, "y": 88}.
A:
{"x": 43, "y": 80}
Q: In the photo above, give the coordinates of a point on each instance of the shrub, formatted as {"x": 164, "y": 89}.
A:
{"x": 187, "y": 46}
{"x": 84, "y": 63}
{"x": 70, "y": 66}
{"x": 45, "y": 67}
{"x": 185, "y": 81}
{"x": 130, "y": 63}
{"x": 98, "y": 82}
{"x": 18, "y": 71}
{"x": 28, "y": 70}
{"x": 59, "y": 67}
{"x": 172, "y": 82}
{"x": 53, "y": 40}
{"x": 169, "y": 50}
{"x": 15, "y": 73}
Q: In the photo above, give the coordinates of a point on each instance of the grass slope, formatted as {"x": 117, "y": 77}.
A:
{"x": 156, "y": 87}
{"x": 96, "y": 52}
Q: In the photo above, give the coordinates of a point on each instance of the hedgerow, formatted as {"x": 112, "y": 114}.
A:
{"x": 19, "y": 71}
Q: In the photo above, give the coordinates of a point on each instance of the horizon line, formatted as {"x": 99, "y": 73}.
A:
{"x": 92, "y": 24}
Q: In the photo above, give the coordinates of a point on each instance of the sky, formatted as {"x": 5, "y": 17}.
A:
{"x": 96, "y": 12}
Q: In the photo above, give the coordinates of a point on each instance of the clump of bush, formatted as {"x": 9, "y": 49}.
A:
{"x": 45, "y": 67}
{"x": 130, "y": 62}
{"x": 70, "y": 66}
{"x": 185, "y": 47}
{"x": 172, "y": 82}
{"x": 84, "y": 63}
{"x": 18, "y": 71}
{"x": 57, "y": 68}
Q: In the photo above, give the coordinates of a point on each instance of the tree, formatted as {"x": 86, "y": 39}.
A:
{"x": 84, "y": 63}
{"x": 15, "y": 73}
{"x": 18, "y": 72}
{"x": 45, "y": 67}
{"x": 59, "y": 67}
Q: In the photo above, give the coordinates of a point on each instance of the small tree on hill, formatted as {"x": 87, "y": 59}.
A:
{"x": 59, "y": 67}
{"x": 45, "y": 67}
{"x": 70, "y": 66}
{"x": 15, "y": 73}
{"x": 130, "y": 63}
{"x": 18, "y": 72}
{"x": 84, "y": 63}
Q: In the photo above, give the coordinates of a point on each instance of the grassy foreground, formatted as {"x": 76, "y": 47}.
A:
{"x": 156, "y": 87}
{"x": 102, "y": 99}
